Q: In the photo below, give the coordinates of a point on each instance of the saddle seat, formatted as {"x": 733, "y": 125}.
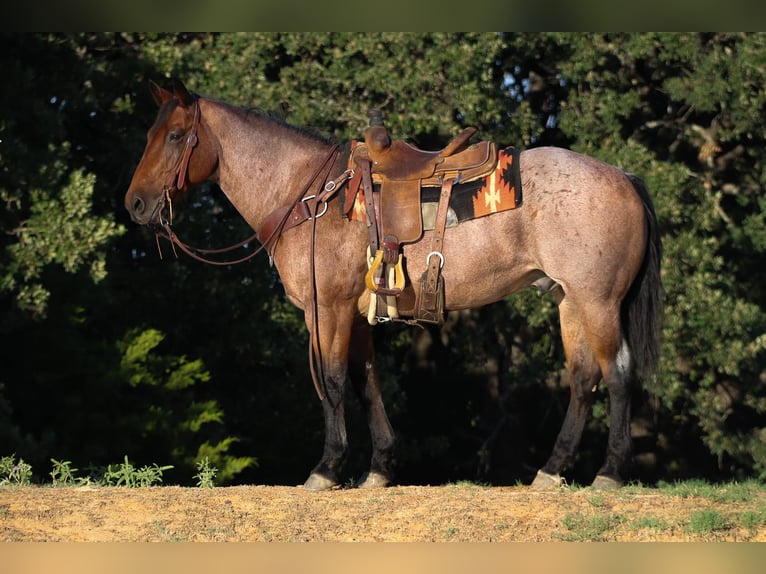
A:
{"x": 396, "y": 160}
{"x": 402, "y": 170}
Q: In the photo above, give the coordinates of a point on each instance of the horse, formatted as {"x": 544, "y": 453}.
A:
{"x": 586, "y": 232}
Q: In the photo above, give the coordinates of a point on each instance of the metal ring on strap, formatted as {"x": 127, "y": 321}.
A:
{"x": 324, "y": 206}
{"x": 428, "y": 258}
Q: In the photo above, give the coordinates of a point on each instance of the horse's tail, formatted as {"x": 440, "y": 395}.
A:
{"x": 642, "y": 308}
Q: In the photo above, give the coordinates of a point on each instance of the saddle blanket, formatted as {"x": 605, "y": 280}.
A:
{"x": 499, "y": 191}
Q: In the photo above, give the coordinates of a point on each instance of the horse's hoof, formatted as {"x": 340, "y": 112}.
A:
{"x": 317, "y": 482}
{"x": 545, "y": 481}
{"x": 603, "y": 482}
{"x": 373, "y": 480}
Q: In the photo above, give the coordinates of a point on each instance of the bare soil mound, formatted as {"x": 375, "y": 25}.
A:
{"x": 462, "y": 512}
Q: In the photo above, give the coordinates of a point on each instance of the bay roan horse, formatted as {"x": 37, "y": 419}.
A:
{"x": 586, "y": 232}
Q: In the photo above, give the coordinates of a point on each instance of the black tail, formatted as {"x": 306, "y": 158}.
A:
{"x": 642, "y": 309}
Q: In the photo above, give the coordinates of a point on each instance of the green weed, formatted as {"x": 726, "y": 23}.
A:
{"x": 125, "y": 474}
{"x": 597, "y": 528}
{"x": 650, "y": 522}
{"x": 64, "y": 475}
{"x": 205, "y": 474}
{"x": 450, "y": 532}
{"x": 167, "y": 534}
{"x": 14, "y": 473}
{"x": 707, "y": 521}
{"x": 728, "y": 492}
{"x": 752, "y": 520}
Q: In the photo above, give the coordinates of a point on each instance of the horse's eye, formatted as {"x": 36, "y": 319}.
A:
{"x": 175, "y": 137}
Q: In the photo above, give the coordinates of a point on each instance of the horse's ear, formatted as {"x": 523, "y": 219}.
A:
{"x": 182, "y": 93}
{"x": 160, "y": 95}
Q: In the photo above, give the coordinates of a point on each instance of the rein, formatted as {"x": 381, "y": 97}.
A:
{"x": 312, "y": 213}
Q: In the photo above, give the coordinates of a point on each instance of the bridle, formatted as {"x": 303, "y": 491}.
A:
{"x": 176, "y": 181}
{"x": 178, "y": 175}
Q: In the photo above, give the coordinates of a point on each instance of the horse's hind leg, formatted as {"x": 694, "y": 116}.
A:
{"x": 365, "y": 381}
{"x": 619, "y": 376}
{"x": 584, "y": 375}
{"x": 614, "y": 358}
{"x": 595, "y": 349}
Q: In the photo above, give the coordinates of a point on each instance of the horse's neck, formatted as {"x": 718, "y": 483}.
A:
{"x": 262, "y": 164}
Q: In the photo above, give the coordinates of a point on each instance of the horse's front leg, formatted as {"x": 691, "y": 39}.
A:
{"x": 365, "y": 382}
{"x": 332, "y": 336}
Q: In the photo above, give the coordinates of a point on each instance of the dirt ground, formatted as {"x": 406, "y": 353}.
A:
{"x": 460, "y": 512}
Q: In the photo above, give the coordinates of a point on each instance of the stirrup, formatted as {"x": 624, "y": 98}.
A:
{"x": 374, "y": 277}
{"x": 373, "y": 263}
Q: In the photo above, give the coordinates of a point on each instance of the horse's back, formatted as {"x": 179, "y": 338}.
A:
{"x": 567, "y": 178}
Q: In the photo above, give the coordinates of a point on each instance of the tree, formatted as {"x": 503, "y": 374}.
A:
{"x": 63, "y": 388}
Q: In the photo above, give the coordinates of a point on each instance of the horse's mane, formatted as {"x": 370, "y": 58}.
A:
{"x": 279, "y": 119}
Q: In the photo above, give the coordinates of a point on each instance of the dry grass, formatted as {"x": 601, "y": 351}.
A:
{"x": 457, "y": 512}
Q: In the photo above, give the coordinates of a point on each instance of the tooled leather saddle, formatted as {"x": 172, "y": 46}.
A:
{"x": 401, "y": 172}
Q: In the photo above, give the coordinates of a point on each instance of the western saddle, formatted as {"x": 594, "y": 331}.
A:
{"x": 395, "y": 217}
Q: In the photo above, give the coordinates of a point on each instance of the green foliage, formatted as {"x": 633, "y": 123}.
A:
{"x": 48, "y": 184}
{"x": 61, "y": 230}
{"x": 63, "y": 474}
{"x": 597, "y": 528}
{"x": 707, "y": 521}
{"x": 12, "y": 472}
{"x": 126, "y": 474}
{"x": 167, "y": 379}
{"x": 330, "y": 80}
{"x": 144, "y": 367}
{"x": 205, "y": 474}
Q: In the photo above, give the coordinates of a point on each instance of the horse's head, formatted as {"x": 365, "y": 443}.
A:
{"x": 177, "y": 154}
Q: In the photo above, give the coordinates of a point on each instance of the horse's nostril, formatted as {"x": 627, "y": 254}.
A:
{"x": 138, "y": 205}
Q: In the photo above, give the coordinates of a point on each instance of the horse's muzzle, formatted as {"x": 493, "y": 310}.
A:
{"x": 144, "y": 211}
{"x": 136, "y": 208}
